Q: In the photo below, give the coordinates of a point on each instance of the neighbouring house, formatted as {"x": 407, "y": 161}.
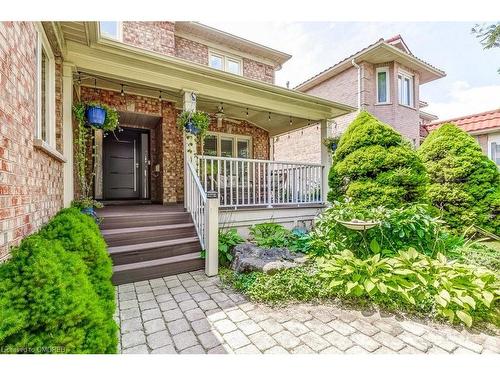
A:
{"x": 484, "y": 126}
{"x": 150, "y": 72}
{"x": 383, "y": 79}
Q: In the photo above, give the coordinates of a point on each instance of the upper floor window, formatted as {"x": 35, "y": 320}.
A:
{"x": 224, "y": 62}
{"x": 494, "y": 148}
{"x": 111, "y": 29}
{"x": 383, "y": 86}
{"x": 45, "y": 90}
{"x": 405, "y": 88}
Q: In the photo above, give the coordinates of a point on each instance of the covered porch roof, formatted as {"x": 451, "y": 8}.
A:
{"x": 118, "y": 63}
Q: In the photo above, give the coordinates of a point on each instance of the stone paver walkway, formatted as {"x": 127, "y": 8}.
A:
{"x": 191, "y": 313}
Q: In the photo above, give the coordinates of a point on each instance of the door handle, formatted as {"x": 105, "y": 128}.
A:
{"x": 135, "y": 166}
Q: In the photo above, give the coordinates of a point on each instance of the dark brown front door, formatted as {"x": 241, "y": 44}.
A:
{"x": 122, "y": 165}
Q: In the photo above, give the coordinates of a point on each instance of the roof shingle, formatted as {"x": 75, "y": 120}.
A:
{"x": 471, "y": 123}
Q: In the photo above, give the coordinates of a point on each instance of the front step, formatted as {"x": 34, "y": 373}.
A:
{"x": 150, "y": 241}
{"x": 152, "y": 269}
{"x": 154, "y": 250}
{"x": 144, "y": 220}
{"x": 130, "y": 236}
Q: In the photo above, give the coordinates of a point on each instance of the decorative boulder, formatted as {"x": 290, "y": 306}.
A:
{"x": 248, "y": 257}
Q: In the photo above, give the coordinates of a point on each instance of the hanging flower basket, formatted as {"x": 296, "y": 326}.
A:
{"x": 331, "y": 143}
{"x": 358, "y": 225}
{"x": 96, "y": 115}
{"x": 194, "y": 122}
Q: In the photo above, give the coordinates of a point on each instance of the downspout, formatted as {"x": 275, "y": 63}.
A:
{"x": 359, "y": 83}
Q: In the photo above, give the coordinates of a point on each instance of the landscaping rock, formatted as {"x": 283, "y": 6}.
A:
{"x": 248, "y": 257}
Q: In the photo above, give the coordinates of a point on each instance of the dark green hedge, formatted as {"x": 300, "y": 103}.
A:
{"x": 375, "y": 166}
{"x": 465, "y": 183}
{"x": 56, "y": 293}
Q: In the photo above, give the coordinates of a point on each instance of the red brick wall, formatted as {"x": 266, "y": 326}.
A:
{"x": 259, "y": 71}
{"x": 190, "y": 50}
{"x": 31, "y": 182}
{"x": 160, "y": 37}
{"x": 155, "y": 36}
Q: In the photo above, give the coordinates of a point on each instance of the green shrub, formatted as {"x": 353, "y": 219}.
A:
{"x": 79, "y": 233}
{"x": 400, "y": 228}
{"x": 295, "y": 284}
{"x": 479, "y": 254}
{"x": 47, "y": 303}
{"x": 465, "y": 183}
{"x": 375, "y": 166}
{"x": 227, "y": 241}
{"x": 456, "y": 292}
{"x": 268, "y": 235}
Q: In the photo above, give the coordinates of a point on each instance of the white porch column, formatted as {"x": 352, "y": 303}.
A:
{"x": 67, "y": 102}
{"x": 326, "y": 157}
{"x": 189, "y": 140}
{"x": 212, "y": 234}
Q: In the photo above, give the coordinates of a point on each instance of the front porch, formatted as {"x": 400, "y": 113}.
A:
{"x": 230, "y": 180}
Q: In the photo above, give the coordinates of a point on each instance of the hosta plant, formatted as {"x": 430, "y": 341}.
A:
{"x": 227, "y": 241}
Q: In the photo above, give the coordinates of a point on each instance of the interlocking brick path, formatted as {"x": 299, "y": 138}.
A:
{"x": 192, "y": 313}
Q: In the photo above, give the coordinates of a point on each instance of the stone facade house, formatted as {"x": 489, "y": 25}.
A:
{"x": 484, "y": 127}
{"x": 383, "y": 79}
{"x": 150, "y": 72}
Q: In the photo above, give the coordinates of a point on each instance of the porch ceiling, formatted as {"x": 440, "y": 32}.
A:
{"x": 124, "y": 63}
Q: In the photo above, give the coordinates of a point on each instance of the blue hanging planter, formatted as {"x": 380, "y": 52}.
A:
{"x": 95, "y": 116}
{"x": 192, "y": 128}
{"x": 333, "y": 147}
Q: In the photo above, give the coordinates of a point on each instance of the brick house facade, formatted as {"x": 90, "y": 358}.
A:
{"x": 46, "y": 67}
{"x": 31, "y": 185}
{"x": 340, "y": 83}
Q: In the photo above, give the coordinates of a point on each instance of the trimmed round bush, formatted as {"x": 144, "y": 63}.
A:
{"x": 374, "y": 166}
{"x": 464, "y": 182}
{"x": 80, "y": 234}
{"x": 48, "y": 305}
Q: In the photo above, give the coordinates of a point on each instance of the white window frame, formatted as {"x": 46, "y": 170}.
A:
{"x": 119, "y": 37}
{"x": 495, "y": 138}
{"x": 225, "y": 58}
{"x": 235, "y": 138}
{"x": 50, "y": 90}
{"x": 387, "y": 86}
{"x": 403, "y": 74}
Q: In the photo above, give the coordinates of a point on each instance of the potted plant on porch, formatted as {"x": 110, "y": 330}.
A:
{"x": 84, "y": 152}
{"x": 101, "y": 116}
{"x": 194, "y": 122}
{"x": 331, "y": 143}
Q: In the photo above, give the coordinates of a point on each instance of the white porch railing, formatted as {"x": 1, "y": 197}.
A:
{"x": 255, "y": 182}
{"x": 204, "y": 209}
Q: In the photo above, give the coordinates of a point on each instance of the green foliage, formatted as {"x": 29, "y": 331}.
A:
{"x": 111, "y": 120}
{"x": 80, "y": 234}
{"x": 82, "y": 138}
{"x": 375, "y": 166}
{"x": 48, "y": 304}
{"x": 479, "y": 254}
{"x": 227, "y": 241}
{"x": 86, "y": 203}
{"x": 452, "y": 291}
{"x": 295, "y": 284}
{"x": 268, "y": 235}
{"x": 399, "y": 228}
{"x": 200, "y": 119}
{"x": 465, "y": 183}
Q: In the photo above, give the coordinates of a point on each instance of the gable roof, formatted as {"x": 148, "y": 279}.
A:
{"x": 392, "y": 49}
{"x": 478, "y": 122}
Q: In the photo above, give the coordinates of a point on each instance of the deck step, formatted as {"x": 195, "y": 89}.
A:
{"x": 138, "y": 235}
{"x": 152, "y": 269}
{"x": 154, "y": 250}
{"x": 120, "y": 221}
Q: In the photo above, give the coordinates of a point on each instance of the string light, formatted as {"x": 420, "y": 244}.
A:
{"x": 159, "y": 97}
{"x": 269, "y": 118}
{"x": 122, "y": 93}
{"x": 247, "y": 112}
{"x": 79, "y": 78}
{"x": 290, "y": 120}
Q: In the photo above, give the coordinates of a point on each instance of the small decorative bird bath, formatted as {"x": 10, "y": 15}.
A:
{"x": 358, "y": 225}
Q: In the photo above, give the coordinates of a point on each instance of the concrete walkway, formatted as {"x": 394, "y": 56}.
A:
{"x": 191, "y": 313}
